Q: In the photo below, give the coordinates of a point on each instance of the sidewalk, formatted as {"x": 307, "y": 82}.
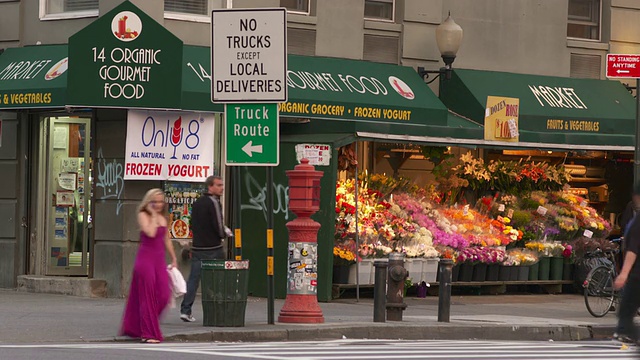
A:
{"x": 37, "y": 317}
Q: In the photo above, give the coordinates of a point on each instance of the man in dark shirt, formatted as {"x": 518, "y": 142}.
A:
{"x": 629, "y": 279}
{"x": 208, "y": 233}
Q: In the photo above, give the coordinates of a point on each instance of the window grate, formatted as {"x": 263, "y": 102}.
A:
{"x": 585, "y": 66}
{"x": 80, "y": 5}
{"x": 196, "y": 7}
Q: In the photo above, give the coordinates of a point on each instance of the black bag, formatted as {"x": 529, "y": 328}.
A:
{"x": 585, "y": 265}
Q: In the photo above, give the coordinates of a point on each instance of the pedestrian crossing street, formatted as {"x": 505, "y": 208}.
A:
{"x": 382, "y": 349}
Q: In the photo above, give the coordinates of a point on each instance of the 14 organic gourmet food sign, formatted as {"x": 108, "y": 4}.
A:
{"x": 164, "y": 145}
{"x": 125, "y": 59}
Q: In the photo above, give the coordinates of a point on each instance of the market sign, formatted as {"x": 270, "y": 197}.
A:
{"x": 33, "y": 77}
{"x": 164, "y": 145}
{"x": 252, "y": 134}
{"x": 368, "y": 92}
{"x": 125, "y": 59}
{"x": 623, "y": 66}
{"x": 501, "y": 118}
{"x": 249, "y": 55}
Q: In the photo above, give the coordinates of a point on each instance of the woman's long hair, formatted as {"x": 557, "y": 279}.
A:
{"x": 148, "y": 197}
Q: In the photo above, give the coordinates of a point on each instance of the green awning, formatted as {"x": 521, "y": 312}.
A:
{"x": 568, "y": 112}
{"x": 373, "y": 96}
{"x": 196, "y": 80}
{"x": 33, "y": 77}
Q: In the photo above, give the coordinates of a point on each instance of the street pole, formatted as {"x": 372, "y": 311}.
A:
{"x": 237, "y": 182}
{"x": 636, "y": 154}
{"x": 270, "y": 284}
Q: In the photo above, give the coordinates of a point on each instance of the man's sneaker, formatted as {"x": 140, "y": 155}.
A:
{"x": 187, "y": 318}
{"x": 624, "y": 338}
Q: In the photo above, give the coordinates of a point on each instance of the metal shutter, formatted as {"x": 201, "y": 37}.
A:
{"x": 80, "y": 5}
{"x": 301, "y": 41}
{"x": 383, "y": 49}
{"x": 198, "y": 7}
{"x": 585, "y": 66}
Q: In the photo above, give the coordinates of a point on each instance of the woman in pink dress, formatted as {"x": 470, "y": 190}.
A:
{"x": 150, "y": 290}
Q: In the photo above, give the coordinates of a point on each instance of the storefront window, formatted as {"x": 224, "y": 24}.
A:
{"x": 296, "y": 6}
{"x": 68, "y": 196}
{"x": 584, "y": 19}
{"x": 52, "y": 9}
{"x": 379, "y": 9}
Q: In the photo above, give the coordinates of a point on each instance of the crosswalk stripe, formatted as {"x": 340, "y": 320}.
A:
{"x": 379, "y": 349}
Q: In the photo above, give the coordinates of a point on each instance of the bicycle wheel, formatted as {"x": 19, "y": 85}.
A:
{"x": 598, "y": 291}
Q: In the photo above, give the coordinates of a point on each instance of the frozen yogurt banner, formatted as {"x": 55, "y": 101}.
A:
{"x": 175, "y": 146}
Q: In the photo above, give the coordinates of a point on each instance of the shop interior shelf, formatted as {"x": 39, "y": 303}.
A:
{"x": 587, "y": 180}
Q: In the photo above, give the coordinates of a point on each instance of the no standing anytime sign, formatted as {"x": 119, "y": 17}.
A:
{"x": 249, "y": 55}
{"x": 623, "y": 66}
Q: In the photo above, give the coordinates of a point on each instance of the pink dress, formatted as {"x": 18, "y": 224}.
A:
{"x": 150, "y": 292}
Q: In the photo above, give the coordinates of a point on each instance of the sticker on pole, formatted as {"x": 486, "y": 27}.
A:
{"x": 236, "y": 265}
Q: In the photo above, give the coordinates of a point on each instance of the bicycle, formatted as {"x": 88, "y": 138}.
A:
{"x": 599, "y": 295}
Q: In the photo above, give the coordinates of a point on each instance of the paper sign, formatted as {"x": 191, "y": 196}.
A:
{"x": 465, "y": 210}
{"x": 588, "y": 234}
{"x": 513, "y": 128}
{"x": 67, "y": 181}
{"x": 64, "y": 198}
{"x": 317, "y": 154}
{"x": 501, "y": 207}
{"x": 584, "y": 203}
{"x": 500, "y": 218}
{"x": 510, "y": 213}
{"x": 542, "y": 210}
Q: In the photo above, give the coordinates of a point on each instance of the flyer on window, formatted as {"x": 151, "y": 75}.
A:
{"x": 180, "y": 196}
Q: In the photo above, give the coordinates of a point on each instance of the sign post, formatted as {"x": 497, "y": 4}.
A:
{"x": 249, "y": 65}
{"x": 628, "y": 66}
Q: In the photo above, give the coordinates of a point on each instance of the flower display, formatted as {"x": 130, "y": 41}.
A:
{"x": 343, "y": 256}
{"x": 510, "y": 177}
{"x": 520, "y": 257}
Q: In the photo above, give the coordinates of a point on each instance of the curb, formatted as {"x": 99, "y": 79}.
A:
{"x": 404, "y": 332}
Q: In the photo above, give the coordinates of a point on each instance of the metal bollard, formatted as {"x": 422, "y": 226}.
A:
{"x": 379, "y": 289}
{"x": 444, "y": 290}
{"x": 395, "y": 289}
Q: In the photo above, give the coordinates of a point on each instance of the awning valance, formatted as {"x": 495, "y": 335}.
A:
{"x": 33, "y": 77}
{"x": 567, "y": 112}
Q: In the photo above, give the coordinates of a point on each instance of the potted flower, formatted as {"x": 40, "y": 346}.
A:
{"x": 568, "y": 260}
{"x": 343, "y": 258}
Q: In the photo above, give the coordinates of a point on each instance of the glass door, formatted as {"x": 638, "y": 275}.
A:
{"x": 69, "y": 194}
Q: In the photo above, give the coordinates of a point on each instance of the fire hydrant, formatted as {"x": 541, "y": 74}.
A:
{"x": 395, "y": 287}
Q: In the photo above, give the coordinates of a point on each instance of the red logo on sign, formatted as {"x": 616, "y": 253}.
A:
{"x": 623, "y": 66}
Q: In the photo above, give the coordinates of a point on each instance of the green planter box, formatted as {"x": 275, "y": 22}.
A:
{"x": 534, "y": 271}
{"x": 545, "y": 267}
{"x": 556, "y": 268}
{"x": 225, "y": 285}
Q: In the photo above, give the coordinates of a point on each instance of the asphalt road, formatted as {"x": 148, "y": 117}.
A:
{"x": 327, "y": 350}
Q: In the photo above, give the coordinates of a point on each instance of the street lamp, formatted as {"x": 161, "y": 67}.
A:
{"x": 449, "y": 39}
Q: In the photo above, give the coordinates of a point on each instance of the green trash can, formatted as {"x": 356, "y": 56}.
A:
{"x": 225, "y": 284}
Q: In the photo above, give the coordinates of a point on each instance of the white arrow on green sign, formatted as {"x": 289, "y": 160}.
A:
{"x": 252, "y": 134}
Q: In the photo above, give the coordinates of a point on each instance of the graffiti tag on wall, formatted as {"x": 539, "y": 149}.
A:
{"x": 110, "y": 180}
{"x": 257, "y": 195}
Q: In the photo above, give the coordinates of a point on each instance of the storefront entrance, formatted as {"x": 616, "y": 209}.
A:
{"x": 66, "y": 176}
